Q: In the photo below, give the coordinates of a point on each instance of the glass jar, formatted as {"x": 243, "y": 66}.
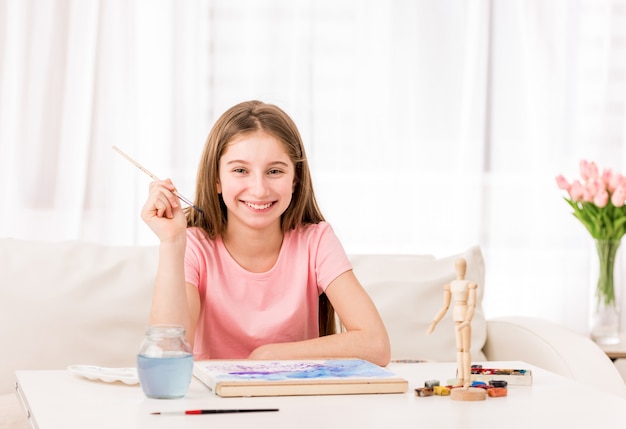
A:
{"x": 165, "y": 362}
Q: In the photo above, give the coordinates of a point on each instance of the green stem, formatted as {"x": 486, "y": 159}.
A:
{"x": 605, "y": 291}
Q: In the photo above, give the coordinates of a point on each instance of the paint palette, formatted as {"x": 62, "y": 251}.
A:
{"x": 108, "y": 375}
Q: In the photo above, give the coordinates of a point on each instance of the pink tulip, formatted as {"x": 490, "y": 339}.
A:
{"x": 576, "y": 191}
{"x": 588, "y": 169}
{"x": 601, "y": 198}
{"x": 619, "y": 196}
{"x": 593, "y": 170}
{"x": 594, "y": 186}
{"x": 610, "y": 179}
{"x": 620, "y": 181}
{"x": 562, "y": 182}
{"x": 584, "y": 169}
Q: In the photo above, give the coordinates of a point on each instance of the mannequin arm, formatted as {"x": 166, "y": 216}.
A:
{"x": 447, "y": 297}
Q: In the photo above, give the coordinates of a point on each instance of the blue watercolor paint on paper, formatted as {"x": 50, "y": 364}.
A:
{"x": 285, "y": 370}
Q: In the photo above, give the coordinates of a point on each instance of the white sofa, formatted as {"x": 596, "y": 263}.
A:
{"x": 81, "y": 303}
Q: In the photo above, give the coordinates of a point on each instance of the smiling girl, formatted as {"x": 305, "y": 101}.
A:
{"x": 257, "y": 273}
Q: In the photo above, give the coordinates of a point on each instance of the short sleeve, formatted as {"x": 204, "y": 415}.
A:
{"x": 331, "y": 259}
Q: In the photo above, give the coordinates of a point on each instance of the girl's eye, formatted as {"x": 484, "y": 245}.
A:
{"x": 274, "y": 171}
{"x": 239, "y": 170}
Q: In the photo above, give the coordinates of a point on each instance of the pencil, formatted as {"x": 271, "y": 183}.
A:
{"x": 154, "y": 177}
{"x": 218, "y": 411}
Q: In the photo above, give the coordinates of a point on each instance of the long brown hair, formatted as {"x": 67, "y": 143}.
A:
{"x": 248, "y": 117}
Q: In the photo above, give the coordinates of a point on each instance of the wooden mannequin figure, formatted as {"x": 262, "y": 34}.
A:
{"x": 463, "y": 292}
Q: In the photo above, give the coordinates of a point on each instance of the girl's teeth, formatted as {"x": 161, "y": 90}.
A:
{"x": 259, "y": 206}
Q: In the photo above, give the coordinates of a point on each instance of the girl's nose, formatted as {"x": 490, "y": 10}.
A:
{"x": 258, "y": 185}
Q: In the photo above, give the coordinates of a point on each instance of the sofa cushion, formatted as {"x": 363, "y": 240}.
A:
{"x": 65, "y": 303}
{"x": 408, "y": 292}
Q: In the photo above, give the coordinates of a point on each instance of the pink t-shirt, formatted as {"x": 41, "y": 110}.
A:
{"x": 241, "y": 310}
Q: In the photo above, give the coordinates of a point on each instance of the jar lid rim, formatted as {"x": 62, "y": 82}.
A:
{"x": 165, "y": 328}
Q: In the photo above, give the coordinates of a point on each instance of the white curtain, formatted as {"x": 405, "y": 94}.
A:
{"x": 557, "y": 96}
{"x": 81, "y": 76}
{"x": 430, "y": 125}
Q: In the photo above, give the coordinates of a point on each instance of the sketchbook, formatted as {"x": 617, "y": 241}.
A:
{"x": 230, "y": 378}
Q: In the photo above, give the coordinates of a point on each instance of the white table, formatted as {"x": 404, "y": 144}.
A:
{"x": 62, "y": 400}
{"x": 615, "y": 351}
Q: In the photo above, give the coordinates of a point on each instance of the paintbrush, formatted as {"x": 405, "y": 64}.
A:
{"x": 142, "y": 168}
{"x": 218, "y": 411}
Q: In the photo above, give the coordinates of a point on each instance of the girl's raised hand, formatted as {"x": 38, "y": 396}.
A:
{"x": 162, "y": 211}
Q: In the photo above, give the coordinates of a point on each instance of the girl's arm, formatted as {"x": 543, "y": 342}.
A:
{"x": 365, "y": 336}
{"x": 173, "y": 301}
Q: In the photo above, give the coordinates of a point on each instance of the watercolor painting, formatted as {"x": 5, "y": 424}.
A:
{"x": 290, "y": 370}
{"x": 229, "y": 378}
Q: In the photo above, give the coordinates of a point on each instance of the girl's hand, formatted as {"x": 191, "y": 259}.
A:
{"x": 162, "y": 211}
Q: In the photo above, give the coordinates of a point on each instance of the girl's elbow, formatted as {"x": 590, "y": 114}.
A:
{"x": 382, "y": 351}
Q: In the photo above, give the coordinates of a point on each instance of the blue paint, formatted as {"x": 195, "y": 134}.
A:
{"x": 286, "y": 370}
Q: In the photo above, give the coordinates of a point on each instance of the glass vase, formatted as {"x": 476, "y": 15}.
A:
{"x": 607, "y": 288}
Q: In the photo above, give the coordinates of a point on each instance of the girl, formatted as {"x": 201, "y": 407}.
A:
{"x": 257, "y": 273}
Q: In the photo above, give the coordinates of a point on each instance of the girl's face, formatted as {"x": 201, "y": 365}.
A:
{"x": 256, "y": 180}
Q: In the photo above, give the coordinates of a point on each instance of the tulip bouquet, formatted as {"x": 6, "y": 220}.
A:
{"x": 598, "y": 202}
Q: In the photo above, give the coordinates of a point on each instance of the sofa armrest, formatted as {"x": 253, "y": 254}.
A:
{"x": 552, "y": 347}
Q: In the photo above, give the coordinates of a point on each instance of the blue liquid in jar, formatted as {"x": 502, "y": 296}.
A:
{"x": 165, "y": 377}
